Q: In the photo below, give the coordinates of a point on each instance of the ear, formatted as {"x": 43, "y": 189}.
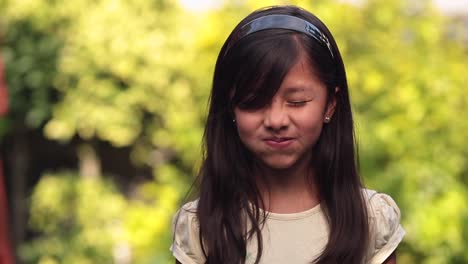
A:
{"x": 331, "y": 107}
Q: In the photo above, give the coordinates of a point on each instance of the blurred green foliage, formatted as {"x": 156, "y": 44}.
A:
{"x": 138, "y": 73}
{"x": 87, "y": 220}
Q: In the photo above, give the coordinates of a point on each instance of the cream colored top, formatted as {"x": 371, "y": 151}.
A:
{"x": 298, "y": 237}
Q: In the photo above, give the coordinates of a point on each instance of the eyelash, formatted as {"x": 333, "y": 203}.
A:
{"x": 298, "y": 103}
{"x": 247, "y": 107}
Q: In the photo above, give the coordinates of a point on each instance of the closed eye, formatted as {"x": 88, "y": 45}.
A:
{"x": 298, "y": 103}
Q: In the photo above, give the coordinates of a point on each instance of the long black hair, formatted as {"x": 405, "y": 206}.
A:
{"x": 250, "y": 70}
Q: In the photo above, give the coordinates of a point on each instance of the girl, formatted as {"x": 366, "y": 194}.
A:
{"x": 278, "y": 182}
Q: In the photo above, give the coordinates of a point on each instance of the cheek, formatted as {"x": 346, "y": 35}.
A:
{"x": 309, "y": 124}
{"x": 245, "y": 129}
{"x": 312, "y": 131}
{"x": 247, "y": 125}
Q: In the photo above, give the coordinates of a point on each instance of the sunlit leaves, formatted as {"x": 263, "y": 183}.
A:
{"x": 80, "y": 220}
{"x": 86, "y": 220}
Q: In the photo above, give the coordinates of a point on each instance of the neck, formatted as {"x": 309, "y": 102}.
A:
{"x": 288, "y": 190}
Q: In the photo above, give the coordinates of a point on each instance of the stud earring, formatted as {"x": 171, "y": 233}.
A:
{"x": 327, "y": 119}
{"x": 234, "y": 120}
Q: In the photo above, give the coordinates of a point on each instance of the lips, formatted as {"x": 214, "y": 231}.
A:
{"x": 278, "y": 142}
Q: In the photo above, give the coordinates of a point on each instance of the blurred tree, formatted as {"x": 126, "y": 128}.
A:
{"x": 75, "y": 228}
{"x": 113, "y": 71}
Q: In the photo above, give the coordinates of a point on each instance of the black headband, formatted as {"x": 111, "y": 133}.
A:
{"x": 283, "y": 22}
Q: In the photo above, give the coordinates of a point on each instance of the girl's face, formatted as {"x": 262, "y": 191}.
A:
{"x": 283, "y": 133}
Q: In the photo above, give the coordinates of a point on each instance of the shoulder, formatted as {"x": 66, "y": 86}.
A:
{"x": 383, "y": 212}
{"x": 386, "y": 232}
{"x": 185, "y": 219}
{"x": 187, "y": 210}
{"x": 185, "y": 228}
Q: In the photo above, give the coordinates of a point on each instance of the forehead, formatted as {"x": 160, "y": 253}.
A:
{"x": 301, "y": 78}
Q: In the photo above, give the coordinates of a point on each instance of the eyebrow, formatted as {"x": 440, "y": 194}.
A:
{"x": 293, "y": 90}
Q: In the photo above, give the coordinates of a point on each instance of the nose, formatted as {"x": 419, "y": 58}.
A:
{"x": 276, "y": 118}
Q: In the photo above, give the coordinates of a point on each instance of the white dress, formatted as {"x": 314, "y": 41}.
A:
{"x": 296, "y": 238}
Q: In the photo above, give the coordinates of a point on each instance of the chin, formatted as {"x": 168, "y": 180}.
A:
{"x": 280, "y": 164}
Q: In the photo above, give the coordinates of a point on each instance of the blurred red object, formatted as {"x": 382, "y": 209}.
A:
{"x": 3, "y": 92}
{"x": 6, "y": 256}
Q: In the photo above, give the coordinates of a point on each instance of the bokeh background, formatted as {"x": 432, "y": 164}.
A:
{"x": 107, "y": 100}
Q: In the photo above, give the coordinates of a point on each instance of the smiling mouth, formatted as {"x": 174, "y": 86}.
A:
{"x": 278, "y": 139}
{"x": 278, "y": 142}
